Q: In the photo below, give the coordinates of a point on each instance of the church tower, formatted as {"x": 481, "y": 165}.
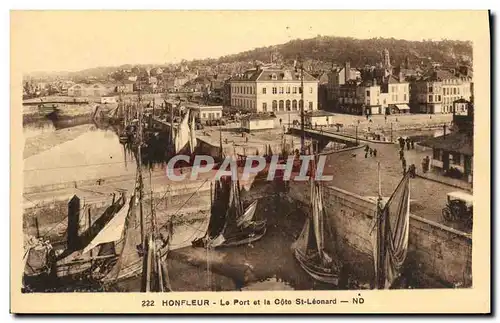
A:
{"x": 386, "y": 60}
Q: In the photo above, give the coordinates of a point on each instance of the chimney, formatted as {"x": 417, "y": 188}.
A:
{"x": 401, "y": 76}
{"x": 374, "y": 82}
{"x": 347, "y": 71}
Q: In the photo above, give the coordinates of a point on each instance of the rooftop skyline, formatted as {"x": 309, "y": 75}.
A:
{"x": 76, "y": 40}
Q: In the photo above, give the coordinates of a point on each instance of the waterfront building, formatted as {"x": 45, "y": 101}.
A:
{"x": 273, "y": 89}
{"x": 255, "y": 122}
{"x": 96, "y": 89}
{"x": 319, "y": 118}
{"x": 369, "y": 98}
{"x": 436, "y": 92}
{"x": 452, "y": 153}
{"x": 207, "y": 112}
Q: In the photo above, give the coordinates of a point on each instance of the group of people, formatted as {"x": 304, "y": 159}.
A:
{"x": 409, "y": 143}
{"x": 369, "y": 150}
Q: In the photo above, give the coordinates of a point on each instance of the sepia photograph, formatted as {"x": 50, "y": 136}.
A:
{"x": 250, "y": 161}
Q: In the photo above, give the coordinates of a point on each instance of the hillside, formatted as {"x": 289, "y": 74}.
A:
{"x": 323, "y": 51}
{"x": 359, "y": 52}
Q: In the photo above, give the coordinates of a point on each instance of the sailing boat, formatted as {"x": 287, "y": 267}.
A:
{"x": 310, "y": 249}
{"x": 391, "y": 234}
{"x": 230, "y": 224}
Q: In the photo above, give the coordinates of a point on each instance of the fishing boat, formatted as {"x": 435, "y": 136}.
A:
{"x": 230, "y": 224}
{"x": 311, "y": 249}
{"x": 118, "y": 245}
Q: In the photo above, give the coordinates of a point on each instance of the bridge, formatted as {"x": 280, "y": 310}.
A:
{"x": 323, "y": 137}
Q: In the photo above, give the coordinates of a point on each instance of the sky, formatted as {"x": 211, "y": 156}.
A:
{"x": 75, "y": 40}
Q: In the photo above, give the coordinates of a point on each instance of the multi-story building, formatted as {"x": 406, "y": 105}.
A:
{"x": 436, "y": 92}
{"x": 338, "y": 77}
{"x": 368, "y": 97}
{"x": 273, "y": 89}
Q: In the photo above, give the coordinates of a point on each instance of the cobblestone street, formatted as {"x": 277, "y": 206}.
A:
{"x": 353, "y": 172}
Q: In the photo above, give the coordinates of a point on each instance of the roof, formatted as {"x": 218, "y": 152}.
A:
{"x": 258, "y": 116}
{"x": 463, "y": 196}
{"x": 273, "y": 74}
{"x": 319, "y": 113}
{"x": 454, "y": 142}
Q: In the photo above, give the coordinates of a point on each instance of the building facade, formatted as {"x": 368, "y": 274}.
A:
{"x": 437, "y": 92}
{"x": 369, "y": 98}
{"x": 273, "y": 90}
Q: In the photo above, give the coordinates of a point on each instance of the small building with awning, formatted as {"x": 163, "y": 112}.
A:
{"x": 399, "y": 109}
{"x": 452, "y": 154}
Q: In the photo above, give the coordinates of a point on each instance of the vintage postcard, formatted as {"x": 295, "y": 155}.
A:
{"x": 250, "y": 162}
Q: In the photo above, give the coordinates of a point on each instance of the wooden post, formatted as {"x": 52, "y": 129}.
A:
{"x": 37, "y": 228}
{"x": 73, "y": 223}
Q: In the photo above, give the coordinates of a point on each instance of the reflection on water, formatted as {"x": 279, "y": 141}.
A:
{"x": 37, "y": 128}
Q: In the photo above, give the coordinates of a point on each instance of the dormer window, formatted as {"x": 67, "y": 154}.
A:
{"x": 274, "y": 77}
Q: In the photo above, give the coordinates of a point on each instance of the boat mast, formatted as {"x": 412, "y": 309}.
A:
{"x": 139, "y": 164}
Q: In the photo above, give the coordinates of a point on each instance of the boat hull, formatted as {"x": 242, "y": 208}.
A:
{"x": 317, "y": 272}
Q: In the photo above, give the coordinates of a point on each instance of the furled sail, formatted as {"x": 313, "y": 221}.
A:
{"x": 129, "y": 258}
{"x": 192, "y": 135}
{"x": 391, "y": 235}
{"x": 182, "y": 135}
{"x": 230, "y": 223}
{"x": 309, "y": 248}
{"x": 112, "y": 231}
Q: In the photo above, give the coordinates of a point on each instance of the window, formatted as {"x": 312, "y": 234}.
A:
{"x": 455, "y": 158}
{"x": 294, "y": 90}
{"x": 282, "y": 105}
{"x": 275, "y": 105}
{"x": 288, "y": 105}
{"x": 436, "y": 154}
{"x": 311, "y": 90}
{"x": 264, "y": 90}
{"x": 430, "y": 98}
{"x": 204, "y": 115}
{"x": 301, "y": 104}
{"x": 439, "y": 97}
{"x": 287, "y": 90}
{"x": 294, "y": 105}
{"x": 444, "y": 91}
{"x": 367, "y": 92}
{"x": 404, "y": 97}
{"x": 430, "y": 89}
{"x": 275, "y": 90}
{"x": 264, "y": 106}
{"x": 454, "y": 90}
{"x": 300, "y": 90}
{"x": 458, "y": 90}
{"x": 281, "y": 90}
{"x": 310, "y": 105}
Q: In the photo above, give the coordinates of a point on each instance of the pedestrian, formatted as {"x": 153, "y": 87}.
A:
{"x": 412, "y": 170}
{"x": 366, "y": 117}
{"x": 412, "y": 142}
{"x": 401, "y": 154}
{"x": 403, "y": 163}
{"x": 385, "y": 118}
{"x": 427, "y": 163}
{"x": 367, "y": 148}
{"x": 424, "y": 170}
{"x": 375, "y": 152}
{"x": 371, "y": 152}
{"x": 407, "y": 144}
{"x": 366, "y": 154}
